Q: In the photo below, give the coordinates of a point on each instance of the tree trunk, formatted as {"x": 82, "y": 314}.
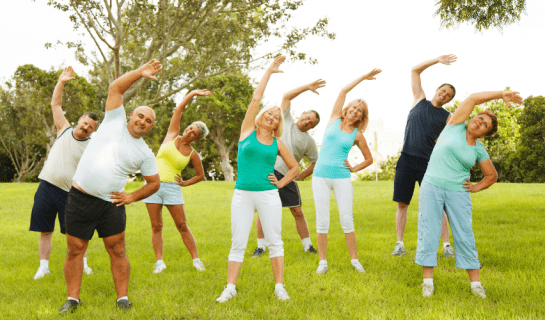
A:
{"x": 226, "y": 166}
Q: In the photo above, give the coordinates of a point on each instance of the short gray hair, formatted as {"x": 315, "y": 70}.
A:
{"x": 202, "y": 128}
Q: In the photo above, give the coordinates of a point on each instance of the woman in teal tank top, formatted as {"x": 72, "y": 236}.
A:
{"x": 173, "y": 156}
{"x": 257, "y": 187}
{"x": 332, "y": 171}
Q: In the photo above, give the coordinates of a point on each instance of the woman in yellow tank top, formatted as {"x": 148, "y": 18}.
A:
{"x": 174, "y": 155}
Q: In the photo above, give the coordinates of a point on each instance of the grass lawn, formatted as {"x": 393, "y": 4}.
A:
{"x": 508, "y": 220}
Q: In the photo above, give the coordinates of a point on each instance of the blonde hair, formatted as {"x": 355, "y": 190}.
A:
{"x": 363, "y": 122}
{"x": 278, "y": 132}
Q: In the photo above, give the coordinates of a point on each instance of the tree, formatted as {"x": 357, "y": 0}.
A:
{"x": 387, "y": 170}
{"x": 530, "y": 155}
{"x": 27, "y": 132}
{"x": 481, "y": 13}
{"x": 193, "y": 39}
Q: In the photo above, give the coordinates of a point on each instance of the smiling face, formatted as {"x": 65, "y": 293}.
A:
{"x": 192, "y": 132}
{"x": 307, "y": 121}
{"x": 85, "y": 127}
{"x": 480, "y": 125}
{"x": 443, "y": 95}
{"x": 270, "y": 119}
{"x": 141, "y": 121}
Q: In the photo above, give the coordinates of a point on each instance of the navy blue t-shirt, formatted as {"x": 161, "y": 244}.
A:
{"x": 424, "y": 125}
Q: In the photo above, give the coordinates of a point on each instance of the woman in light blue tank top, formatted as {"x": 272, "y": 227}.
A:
{"x": 332, "y": 171}
{"x": 446, "y": 185}
{"x": 257, "y": 187}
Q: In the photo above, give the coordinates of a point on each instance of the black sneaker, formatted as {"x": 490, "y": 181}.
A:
{"x": 311, "y": 250}
{"x": 124, "y": 304}
{"x": 258, "y": 252}
{"x": 70, "y": 306}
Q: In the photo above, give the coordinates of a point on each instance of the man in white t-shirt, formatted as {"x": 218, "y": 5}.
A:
{"x": 97, "y": 198}
{"x": 300, "y": 144}
{"x": 56, "y": 175}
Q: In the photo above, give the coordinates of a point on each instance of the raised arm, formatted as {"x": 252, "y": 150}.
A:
{"x": 466, "y": 107}
{"x": 367, "y": 156}
{"x": 292, "y": 94}
{"x": 123, "y": 83}
{"x": 338, "y": 106}
{"x": 416, "y": 84}
{"x": 56, "y": 101}
{"x": 174, "y": 127}
{"x": 248, "y": 125}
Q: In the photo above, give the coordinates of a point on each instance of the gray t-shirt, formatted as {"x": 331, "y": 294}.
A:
{"x": 63, "y": 158}
{"x": 300, "y": 144}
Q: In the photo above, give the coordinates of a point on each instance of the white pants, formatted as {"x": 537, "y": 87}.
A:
{"x": 269, "y": 208}
{"x": 342, "y": 188}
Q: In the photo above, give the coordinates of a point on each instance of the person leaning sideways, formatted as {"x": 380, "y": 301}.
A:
{"x": 300, "y": 144}
{"x": 96, "y": 200}
{"x": 446, "y": 185}
{"x": 173, "y": 156}
{"x": 257, "y": 187}
{"x": 344, "y": 130}
{"x": 425, "y": 122}
{"x": 56, "y": 175}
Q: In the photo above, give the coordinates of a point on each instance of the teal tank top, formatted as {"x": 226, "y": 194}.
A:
{"x": 335, "y": 147}
{"x": 255, "y": 162}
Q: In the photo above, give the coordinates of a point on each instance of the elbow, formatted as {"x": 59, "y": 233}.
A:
{"x": 200, "y": 178}
{"x": 344, "y": 91}
{"x": 256, "y": 99}
{"x": 155, "y": 185}
{"x": 494, "y": 177}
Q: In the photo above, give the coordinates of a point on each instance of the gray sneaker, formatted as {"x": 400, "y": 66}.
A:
{"x": 448, "y": 252}
{"x": 479, "y": 291}
{"x": 258, "y": 252}
{"x": 399, "y": 250}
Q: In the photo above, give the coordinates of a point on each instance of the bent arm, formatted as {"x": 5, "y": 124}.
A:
{"x": 292, "y": 94}
{"x": 285, "y": 154}
{"x": 364, "y": 148}
{"x": 490, "y": 177}
{"x": 174, "y": 126}
{"x": 466, "y": 107}
{"x": 416, "y": 84}
{"x": 199, "y": 171}
{"x": 307, "y": 172}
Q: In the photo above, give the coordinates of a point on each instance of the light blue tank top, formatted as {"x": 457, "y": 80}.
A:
{"x": 335, "y": 147}
{"x": 255, "y": 161}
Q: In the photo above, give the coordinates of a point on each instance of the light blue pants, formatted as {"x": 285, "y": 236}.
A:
{"x": 432, "y": 200}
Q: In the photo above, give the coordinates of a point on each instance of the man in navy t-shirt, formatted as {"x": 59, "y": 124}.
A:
{"x": 425, "y": 122}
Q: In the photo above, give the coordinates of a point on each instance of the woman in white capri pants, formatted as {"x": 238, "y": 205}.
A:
{"x": 257, "y": 187}
{"x": 332, "y": 171}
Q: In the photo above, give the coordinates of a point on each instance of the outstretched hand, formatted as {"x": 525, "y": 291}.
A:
{"x": 276, "y": 64}
{"x": 66, "y": 75}
{"x": 371, "y": 75}
{"x": 313, "y": 86}
{"x": 511, "y": 96}
{"x": 201, "y": 92}
{"x": 447, "y": 59}
{"x": 149, "y": 69}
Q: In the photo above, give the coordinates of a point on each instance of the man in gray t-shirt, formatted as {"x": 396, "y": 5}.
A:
{"x": 300, "y": 144}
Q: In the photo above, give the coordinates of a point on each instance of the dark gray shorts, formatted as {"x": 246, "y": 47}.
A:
{"x": 289, "y": 194}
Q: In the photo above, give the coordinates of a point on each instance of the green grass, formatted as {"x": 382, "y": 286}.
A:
{"x": 508, "y": 221}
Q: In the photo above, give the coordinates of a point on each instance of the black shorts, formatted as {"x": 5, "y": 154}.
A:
{"x": 409, "y": 170}
{"x": 48, "y": 201}
{"x": 86, "y": 213}
{"x": 289, "y": 194}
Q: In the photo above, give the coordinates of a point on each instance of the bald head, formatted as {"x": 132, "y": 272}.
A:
{"x": 141, "y": 121}
{"x": 149, "y": 111}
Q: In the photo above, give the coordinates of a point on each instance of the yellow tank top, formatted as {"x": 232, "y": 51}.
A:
{"x": 170, "y": 161}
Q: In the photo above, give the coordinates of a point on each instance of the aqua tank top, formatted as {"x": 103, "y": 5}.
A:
{"x": 335, "y": 147}
{"x": 170, "y": 161}
{"x": 255, "y": 161}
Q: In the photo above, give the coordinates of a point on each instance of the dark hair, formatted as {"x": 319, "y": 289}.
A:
{"x": 316, "y": 113}
{"x": 91, "y": 115}
{"x": 494, "y": 119}
{"x": 451, "y": 86}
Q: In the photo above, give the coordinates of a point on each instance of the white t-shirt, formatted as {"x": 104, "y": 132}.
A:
{"x": 300, "y": 144}
{"x": 111, "y": 155}
{"x": 63, "y": 159}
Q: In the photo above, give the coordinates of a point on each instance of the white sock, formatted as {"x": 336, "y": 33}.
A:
{"x": 428, "y": 281}
{"x": 400, "y": 242}
{"x": 446, "y": 244}
{"x": 475, "y": 284}
{"x": 85, "y": 262}
{"x": 323, "y": 263}
{"x": 231, "y": 287}
{"x": 261, "y": 243}
{"x": 44, "y": 263}
{"x": 123, "y": 298}
{"x": 70, "y": 298}
{"x": 306, "y": 243}
{"x": 354, "y": 261}
{"x": 278, "y": 286}
{"x": 160, "y": 261}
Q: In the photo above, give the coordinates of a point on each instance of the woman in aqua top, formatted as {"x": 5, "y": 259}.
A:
{"x": 257, "y": 187}
{"x": 446, "y": 185}
{"x": 174, "y": 155}
{"x": 332, "y": 172}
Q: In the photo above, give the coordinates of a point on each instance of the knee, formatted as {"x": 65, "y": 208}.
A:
{"x": 117, "y": 250}
{"x": 75, "y": 249}
{"x": 402, "y": 206}
{"x": 182, "y": 227}
{"x": 157, "y": 227}
{"x": 297, "y": 213}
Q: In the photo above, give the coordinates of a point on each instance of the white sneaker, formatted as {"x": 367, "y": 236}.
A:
{"x": 87, "y": 270}
{"x": 322, "y": 269}
{"x": 42, "y": 272}
{"x": 226, "y": 295}
{"x": 281, "y": 294}
{"x": 357, "y": 265}
{"x": 198, "y": 265}
{"x": 479, "y": 291}
{"x": 427, "y": 290}
{"x": 159, "y": 266}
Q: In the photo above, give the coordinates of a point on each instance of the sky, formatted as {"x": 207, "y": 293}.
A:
{"x": 393, "y": 35}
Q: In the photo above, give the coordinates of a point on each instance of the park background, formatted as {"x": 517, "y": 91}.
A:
{"x": 336, "y": 41}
